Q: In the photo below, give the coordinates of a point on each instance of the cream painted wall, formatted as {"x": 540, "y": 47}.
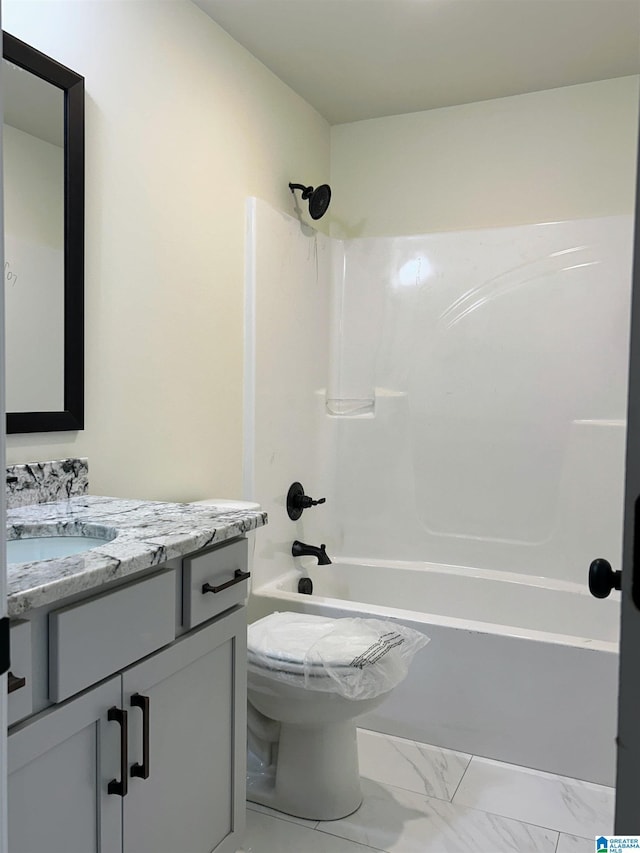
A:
{"x": 560, "y": 154}
{"x": 182, "y": 125}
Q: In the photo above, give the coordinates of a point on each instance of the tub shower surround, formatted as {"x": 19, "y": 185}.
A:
{"x": 148, "y": 533}
{"x": 42, "y": 482}
{"x": 475, "y": 354}
{"x": 448, "y": 361}
{"x": 454, "y": 413}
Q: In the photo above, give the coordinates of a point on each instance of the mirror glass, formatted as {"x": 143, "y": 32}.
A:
{"x": 43, "y": 179}
{"x": 33, "y": 172}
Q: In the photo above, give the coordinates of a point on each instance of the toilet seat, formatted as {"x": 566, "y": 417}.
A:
{"x": 318, "y": 650}
{"x": 280, "y": 643}
{"x": 285, "y": 639}
{"x": 292, "y": 669}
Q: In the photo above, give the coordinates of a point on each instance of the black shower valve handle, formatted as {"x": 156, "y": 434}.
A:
{"x": 304, "y": 501}
{"x": 297, "y": 501}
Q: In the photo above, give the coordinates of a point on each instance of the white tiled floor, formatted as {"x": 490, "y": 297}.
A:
{"x": 422, "y": 799}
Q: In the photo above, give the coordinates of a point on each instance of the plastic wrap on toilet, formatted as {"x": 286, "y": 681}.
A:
{"x": 355, "y": 658}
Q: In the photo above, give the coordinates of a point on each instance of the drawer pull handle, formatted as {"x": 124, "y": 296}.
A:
{"x": 14, "y": 683}
{"x": 137, "y": 769}
{"x": 119, "y": 715}
{"x": 238, "y": 577}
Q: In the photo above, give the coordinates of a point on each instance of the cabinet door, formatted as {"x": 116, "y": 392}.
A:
{"x": 193, "y": 695}
{"x": 60, "y": 764}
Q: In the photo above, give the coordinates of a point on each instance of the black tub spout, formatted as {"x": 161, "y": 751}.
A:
{"x": 300, "y": 549}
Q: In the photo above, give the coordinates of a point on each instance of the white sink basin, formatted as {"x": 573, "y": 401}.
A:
{"x": 40, "y": 544}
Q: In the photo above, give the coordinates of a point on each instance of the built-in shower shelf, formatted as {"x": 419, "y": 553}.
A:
{"x": 352, "y": 408}
{"x": 359, "y": 407}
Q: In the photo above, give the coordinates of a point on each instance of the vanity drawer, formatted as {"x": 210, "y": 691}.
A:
{"x": 90, "y": 640}
{"x": 214, "y": 581}
{"x": 19, "y": 680}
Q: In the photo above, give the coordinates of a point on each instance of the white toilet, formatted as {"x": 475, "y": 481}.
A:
{"x": 301, "y": 733}
{"x": 302, "y": 756}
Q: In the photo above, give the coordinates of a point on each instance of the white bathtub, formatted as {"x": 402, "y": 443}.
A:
{"x": 540, "y": 691}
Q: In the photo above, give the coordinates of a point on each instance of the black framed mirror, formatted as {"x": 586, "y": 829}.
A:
{"x": 44, "y": 240}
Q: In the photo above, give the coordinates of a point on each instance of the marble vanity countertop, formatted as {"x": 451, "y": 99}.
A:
{"x": 148, "y": 534}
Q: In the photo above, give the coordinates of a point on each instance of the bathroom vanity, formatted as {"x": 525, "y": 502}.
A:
{"x": 127, "y": 708}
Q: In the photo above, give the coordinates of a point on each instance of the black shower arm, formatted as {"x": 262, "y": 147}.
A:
{"x": 306, "y": 191}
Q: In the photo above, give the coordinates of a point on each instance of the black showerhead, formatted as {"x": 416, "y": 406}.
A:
{"x": 318, "y": 199}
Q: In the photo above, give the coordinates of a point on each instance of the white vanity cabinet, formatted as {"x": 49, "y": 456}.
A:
{"x": 150, "y": 760}
{"x": 193, "y": 799}
{"x": 59, "y": 767}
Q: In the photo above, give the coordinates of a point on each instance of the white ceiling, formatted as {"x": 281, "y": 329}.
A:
{"x": 358, "y": 59}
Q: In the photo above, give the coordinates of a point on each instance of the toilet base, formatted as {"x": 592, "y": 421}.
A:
{"x": 316, "y": 774}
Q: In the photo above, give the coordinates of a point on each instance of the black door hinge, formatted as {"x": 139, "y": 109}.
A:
{"x": 5, "y": 661}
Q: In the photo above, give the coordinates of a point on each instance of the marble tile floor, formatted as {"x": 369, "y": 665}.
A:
{"x": 422, "y": 799}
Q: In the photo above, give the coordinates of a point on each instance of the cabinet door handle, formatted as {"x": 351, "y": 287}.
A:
{"x": 238, "y": 577}
{"x": 142, "y": 770}
{"x": 119, "y": 715}
{"x": 14, "y": 683}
